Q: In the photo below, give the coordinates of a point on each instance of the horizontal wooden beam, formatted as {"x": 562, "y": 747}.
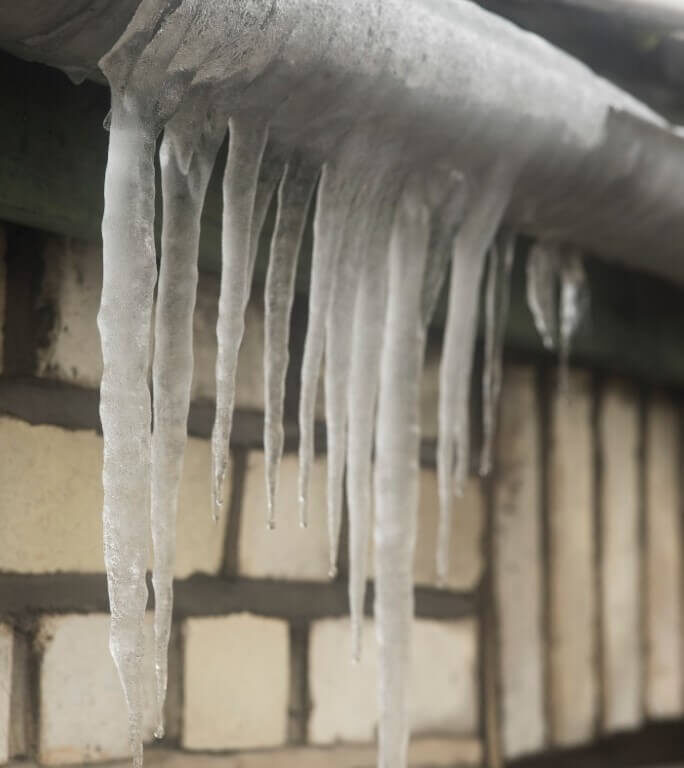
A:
{"x": 52, "y": 162}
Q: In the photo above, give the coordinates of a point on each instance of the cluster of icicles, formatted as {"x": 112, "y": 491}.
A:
{"x": 386, "y": 234}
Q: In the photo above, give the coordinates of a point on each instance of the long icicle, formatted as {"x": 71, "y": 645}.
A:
{"x": 481, "y": 220}
{"x": 247, "y": 142}
{"x": 186, "y": 165}
{"x": 338, "y": 344}
{"x": 397, "y": 474}
{"x": 368, "y": 324}
{"x": 294, "y": 198}
{"x": 129, "y": 274}
{"x": 332, "y": 205}
{"x": 497, "y": 298}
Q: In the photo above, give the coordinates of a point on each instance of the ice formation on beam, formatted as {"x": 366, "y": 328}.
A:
{"x": 342, "y": 96}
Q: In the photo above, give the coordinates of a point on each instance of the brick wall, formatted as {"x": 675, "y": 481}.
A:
{"x": 583, "y": 578}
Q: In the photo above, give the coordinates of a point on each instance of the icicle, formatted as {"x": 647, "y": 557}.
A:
{"x": 542, "y": 271}
{"x": 444, "y": 222}
{"x": 480, "y": 222}
{"x": 397, "y": 474}
{"x": 186, "y": 164}
{"x": 294, "y": 198}
{"x": 270, "y": 173}
{"x": 574, "y": 300}
{"x": 368, "y": 324}
{"x": 246, "y": 147}
{"x": 129, "y": 273}
{"x": 332, "y": 206}
{"x": 339, "y": 336}
{"x": 496, "y": 314}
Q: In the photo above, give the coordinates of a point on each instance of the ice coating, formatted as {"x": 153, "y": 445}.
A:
{"x": 497, "y": 298}
{"x": 186, "y": 162}
{"x": 247, "y": 142}
{"x": 294, "y": 197}
{"x": 396, "y": 471}
{"x": 542, "y": 294}
{"x": 485, "y": 208}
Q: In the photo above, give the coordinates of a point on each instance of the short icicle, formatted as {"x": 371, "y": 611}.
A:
{"x": 129, "y": 274}
{"x": 574, "y": 298}
{"x": 332, "y": 207}
{"x": 484, "y": 210}
{"x": 542, "y": 293}
{"x": 186, "y": 165}
{"x": 368, "y": 324}
{"x": 294, "y": 198}
{"x": 497, "y": 297}
{"x": 247, "y": 141}
{"x": 396, "y": 478}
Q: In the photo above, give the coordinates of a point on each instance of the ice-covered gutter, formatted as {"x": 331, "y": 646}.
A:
{"x": 430, "y": 132}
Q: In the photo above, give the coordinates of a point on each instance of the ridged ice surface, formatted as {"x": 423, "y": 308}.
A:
{"x": 187, "y": 157}
{"x": 394, "y": 123}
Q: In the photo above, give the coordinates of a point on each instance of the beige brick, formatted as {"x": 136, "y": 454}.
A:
{"x": 71, "y": 286}
{"x": 51, "y": 497}
{"x": 465, "y": 563}
{"x": 236, "y": 683}
{"x": 443, "y": 687}
{"x": 572, "y": 580}
{"x": 289, "y": 551}
{"x": 518, "y": 565}
{"x": 423, "y": 753}
{"x": 6, "y": 648}
{"x": 249, "y": 391}
{"x": 663, "y": 562}
{"x": 620, "y": 558}
{"x": 82, "y": 709}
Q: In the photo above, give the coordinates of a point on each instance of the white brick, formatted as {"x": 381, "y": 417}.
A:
{"x": 663, "y": 562}
{"x": 249, "y": 391}
{"x": 435, "y": 753}
{"x": 574, "y": 699}
{"x": 517, "y": 564}
{"x": 289, "y": 551}
{"x": 51, "y": 501}
{"x": 82, "y": 709}
{"x": 6, "y": 648}
{"x": 443, "y": 689}
{"x": 72, "y": 285}
{"x": 620, "y": 558}
{"x": 236, "y": 683}
{"x": 465, "y": 564}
